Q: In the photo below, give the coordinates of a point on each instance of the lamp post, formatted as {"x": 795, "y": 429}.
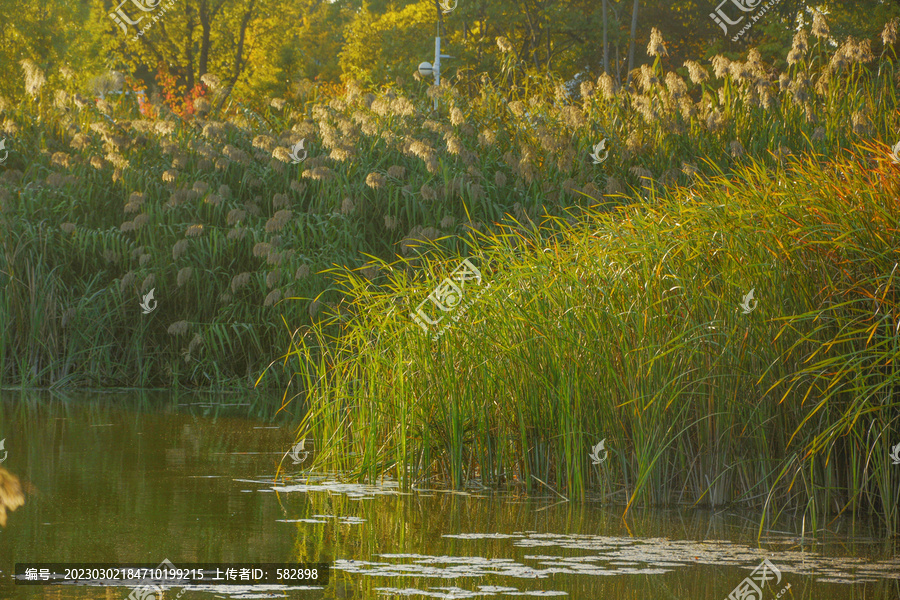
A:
{"x": 427, "y": 68}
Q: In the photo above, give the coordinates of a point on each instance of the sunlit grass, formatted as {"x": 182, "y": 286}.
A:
{"x": 626, "y": 326}
{"x": 99, "y": 204}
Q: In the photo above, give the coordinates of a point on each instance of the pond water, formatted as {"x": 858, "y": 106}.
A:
{"x": 143, "y": 477}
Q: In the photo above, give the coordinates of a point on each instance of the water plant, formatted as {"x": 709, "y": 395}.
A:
{"x": 627, "y": 325}
{"x": 104, "y": 199}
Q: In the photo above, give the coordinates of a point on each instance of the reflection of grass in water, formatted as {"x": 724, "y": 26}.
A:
{"x": 411, "y": 534}
{"x": 11, "y": 495}
{"x": 627, "y": 327}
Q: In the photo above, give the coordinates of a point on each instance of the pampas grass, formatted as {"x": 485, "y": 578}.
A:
{"x": 87, "y": 183}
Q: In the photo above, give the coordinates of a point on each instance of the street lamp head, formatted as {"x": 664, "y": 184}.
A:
{"x": 425, "y": 69}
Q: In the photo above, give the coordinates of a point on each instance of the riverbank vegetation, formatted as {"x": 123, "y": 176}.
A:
{"x": 628, "y": 327}
{"x": 625, "y": 324}
{"x": 104, "y": 201}
{"x": 619, "y": 224}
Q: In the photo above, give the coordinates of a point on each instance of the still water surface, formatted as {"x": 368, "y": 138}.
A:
{"x": 142, "y": 477}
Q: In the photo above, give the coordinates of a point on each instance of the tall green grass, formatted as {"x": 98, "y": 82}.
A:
{"x": 79, "y": 249}
{"x": 626, "y": 326}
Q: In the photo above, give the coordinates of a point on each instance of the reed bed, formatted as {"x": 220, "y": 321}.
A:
{"x": 626, "y": 326}
{"x": 102, "y": 200}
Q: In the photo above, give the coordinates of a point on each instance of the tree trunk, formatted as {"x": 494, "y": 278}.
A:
{"x": 548, "y": 48}
{"x": 618, "y": 67}
{"x": 605, "y": 42}
{"x": 189, "y": 47}
{"x": 535, "y": 38}
{"x": 634, "y": 17}
{"x": 239, "y": 61}
{"x": 207, "y": 16}
{"x": 205, "y": 27}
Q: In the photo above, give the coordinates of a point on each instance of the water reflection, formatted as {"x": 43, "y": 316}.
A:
{"x": 142, "y": 477}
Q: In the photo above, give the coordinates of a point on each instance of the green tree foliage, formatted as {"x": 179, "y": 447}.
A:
{"x": 382, "y": 47}
{"x": 44, "y": 32}
{"x": 234, "y": 41}
{"x": 312, "y": 43}
{"x": 260, "y": 48}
